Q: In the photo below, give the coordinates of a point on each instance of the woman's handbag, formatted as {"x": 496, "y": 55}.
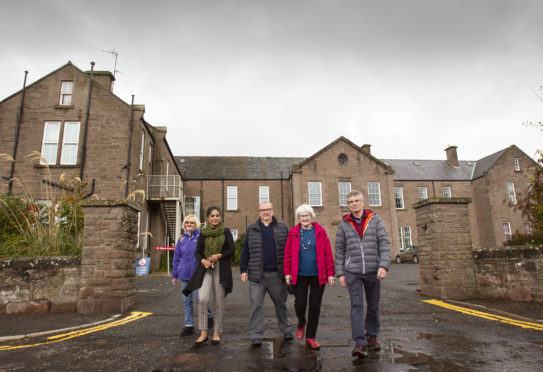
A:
{"x": 290, "y": 289}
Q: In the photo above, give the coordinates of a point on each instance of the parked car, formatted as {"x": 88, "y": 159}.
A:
{"x": 411, "y": 254}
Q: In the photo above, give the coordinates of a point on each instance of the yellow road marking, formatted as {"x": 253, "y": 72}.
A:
{"x": 480, "y": 314}
{"x": 135, "y": 315}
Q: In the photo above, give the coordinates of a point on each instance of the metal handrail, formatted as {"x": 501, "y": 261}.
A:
{"x": 164, "y": 187}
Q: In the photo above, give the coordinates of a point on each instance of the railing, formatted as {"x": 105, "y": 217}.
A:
{"x": 164, "y": 187}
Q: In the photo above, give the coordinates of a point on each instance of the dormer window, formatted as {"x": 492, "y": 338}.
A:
{"x": 517, "y": 164}
{"x": 66, "y": 93}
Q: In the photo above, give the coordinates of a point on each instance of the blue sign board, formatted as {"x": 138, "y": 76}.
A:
{"x": 142, "y": 265}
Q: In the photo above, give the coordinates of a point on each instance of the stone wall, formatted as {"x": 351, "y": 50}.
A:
{"x": 512, "y": 273}
{"x": 108, "y": 274}
{"x": 42, "y": 284}
{"x": 445, "y": 248}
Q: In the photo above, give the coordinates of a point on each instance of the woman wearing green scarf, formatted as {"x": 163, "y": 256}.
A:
{"x": 213, "y": 276}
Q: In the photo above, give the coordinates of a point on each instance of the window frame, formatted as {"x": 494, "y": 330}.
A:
{"x": 407, "y": 236}
{"x": 511, "y": 195}
{"x": 142, "y": 149}
{"x": 506, "y": 226}
{"x": 63, "y": 160}
{"x": 231, "y": 198}
{"x": 528, "y": 230}
{"x": 398, "y": 197}
{"x": 263, "y": 194}
{"x": 373, "y": 194}
{"x": 57, "y": 137}
{"x": 444, "y": 193}
{"x": 195, "y": 202}
{"x": 400, "y": 237}
{"x": 66, "y": 92}
{"x": 342, "y": 193}
{"x": 425, "y": 188}
{"x": 317, "y": 194}
{"x": 516, "y": 164}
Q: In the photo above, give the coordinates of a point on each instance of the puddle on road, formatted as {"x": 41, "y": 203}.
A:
{"x": 275, "y": 354}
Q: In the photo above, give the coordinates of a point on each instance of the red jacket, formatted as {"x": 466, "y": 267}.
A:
{"x": 325, "y": 260}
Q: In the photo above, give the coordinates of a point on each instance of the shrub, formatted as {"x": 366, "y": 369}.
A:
{"x": 238, "y": 248}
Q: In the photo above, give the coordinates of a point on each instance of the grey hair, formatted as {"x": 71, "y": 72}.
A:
{"x": 193, "y": 217}
{"x": 305, "y": 208}
{"x": 355, "y": 193}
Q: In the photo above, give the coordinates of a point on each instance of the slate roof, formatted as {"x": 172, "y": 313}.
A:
{"x": 484, "y": 164}
{"x": 430, "y": 170}
{"x": 235, "y": 167}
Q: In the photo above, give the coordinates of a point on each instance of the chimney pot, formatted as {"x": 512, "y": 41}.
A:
{"x": 366, "y": 147}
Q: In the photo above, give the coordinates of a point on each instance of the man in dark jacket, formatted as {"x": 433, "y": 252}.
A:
{"x": 262, "y": 264}
{"x": 362, "y": 260}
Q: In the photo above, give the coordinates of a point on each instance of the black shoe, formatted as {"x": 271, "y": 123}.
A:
{"x": 373, "y": 344}
{"x": 187, "y": 331}
{"x": 288, "y": 337}
{"x": 256, "y": 342}
{"x": 210, "y": 323}
{"x": 198, "y": 344}
{"x": 215, "y": 342}
{"x": 360, "y": 351}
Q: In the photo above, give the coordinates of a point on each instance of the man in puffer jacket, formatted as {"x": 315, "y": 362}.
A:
{"x": 362, "y": 260}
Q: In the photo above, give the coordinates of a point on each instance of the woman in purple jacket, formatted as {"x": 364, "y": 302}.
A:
{"x": 184, "y": 264}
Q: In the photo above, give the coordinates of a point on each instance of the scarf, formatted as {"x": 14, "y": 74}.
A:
{"x": 214, "y": 239}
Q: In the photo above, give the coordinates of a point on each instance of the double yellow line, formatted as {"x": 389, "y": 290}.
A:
{"x": 480, "y": 314}
{"x": 135, "y": 315}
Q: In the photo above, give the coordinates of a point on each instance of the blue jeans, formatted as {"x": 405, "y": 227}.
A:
{"x": 359, "y": 285}
{"x": 187, "y": 305}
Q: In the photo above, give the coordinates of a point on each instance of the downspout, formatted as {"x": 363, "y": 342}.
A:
{"x": 17, "y": 129}
{"x": 222, "y": 202}
{"x": 130, "y": 125}
{"x": 84, "y": 148}
{"x": 282, "y": 206}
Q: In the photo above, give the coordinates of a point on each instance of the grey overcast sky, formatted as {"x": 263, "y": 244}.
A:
{"x": 287, "y": 77}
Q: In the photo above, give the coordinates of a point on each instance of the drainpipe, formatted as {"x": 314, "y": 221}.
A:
{"x": 84, "y": 148}
{"x": 130, "y": 124}
{"x": 17, "y": 128}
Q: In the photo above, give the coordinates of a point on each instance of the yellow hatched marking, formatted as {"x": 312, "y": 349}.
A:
{"x": 135, "y": 315}
{"x": 481, "y": 314}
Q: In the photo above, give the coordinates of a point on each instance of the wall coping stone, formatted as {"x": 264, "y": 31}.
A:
{"x": 429, "y": 201}
{"x": 36, "y": 262}
{"x": 113, "y": 203}
{"x": 508, "y": 252}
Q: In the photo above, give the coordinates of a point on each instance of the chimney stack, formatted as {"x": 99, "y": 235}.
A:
{"x": 104, "y": 78}
{"x": 367, "y": 148}
{"x": 452, "y": 157}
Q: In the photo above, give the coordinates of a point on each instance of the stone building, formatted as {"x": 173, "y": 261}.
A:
{"x": 81, "y": 128}
{"x": 390, "y": 187}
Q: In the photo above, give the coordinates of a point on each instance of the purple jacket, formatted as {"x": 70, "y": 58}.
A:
{"x": 184, "y": 262}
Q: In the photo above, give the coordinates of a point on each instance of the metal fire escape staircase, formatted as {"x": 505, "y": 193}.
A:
{"x": 168, "y": 191}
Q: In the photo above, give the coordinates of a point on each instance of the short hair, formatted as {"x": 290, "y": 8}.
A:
{"x": 191, "y": 216}
{"x": 355, "y": 193}
{"x": 259, "y": 204}
{"x": 305, "y": 208}
{"x": 211, "y": 209}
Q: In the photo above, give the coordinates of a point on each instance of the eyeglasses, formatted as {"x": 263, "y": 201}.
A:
{"x": 305, "y": 216}
{"x": 265, "y": 210}
{"x": 356, "y": 201}
{"x": 190, "y": 223}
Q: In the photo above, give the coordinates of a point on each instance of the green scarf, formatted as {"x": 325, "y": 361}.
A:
{"x": 214, "y": 239}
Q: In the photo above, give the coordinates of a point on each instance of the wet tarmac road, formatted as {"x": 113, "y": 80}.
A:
{"x": 416, "y": 336}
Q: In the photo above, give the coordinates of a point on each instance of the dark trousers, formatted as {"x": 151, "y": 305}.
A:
{"x": 359, "y": 285}
{"x": 303, "y": 284}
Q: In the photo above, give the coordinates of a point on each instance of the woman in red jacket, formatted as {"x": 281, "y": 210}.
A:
{"x": 308, "y": 265}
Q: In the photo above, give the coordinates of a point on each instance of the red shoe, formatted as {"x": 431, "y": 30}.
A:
{"x": 300, "y": 332}
{"x": 312, "y": 343}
